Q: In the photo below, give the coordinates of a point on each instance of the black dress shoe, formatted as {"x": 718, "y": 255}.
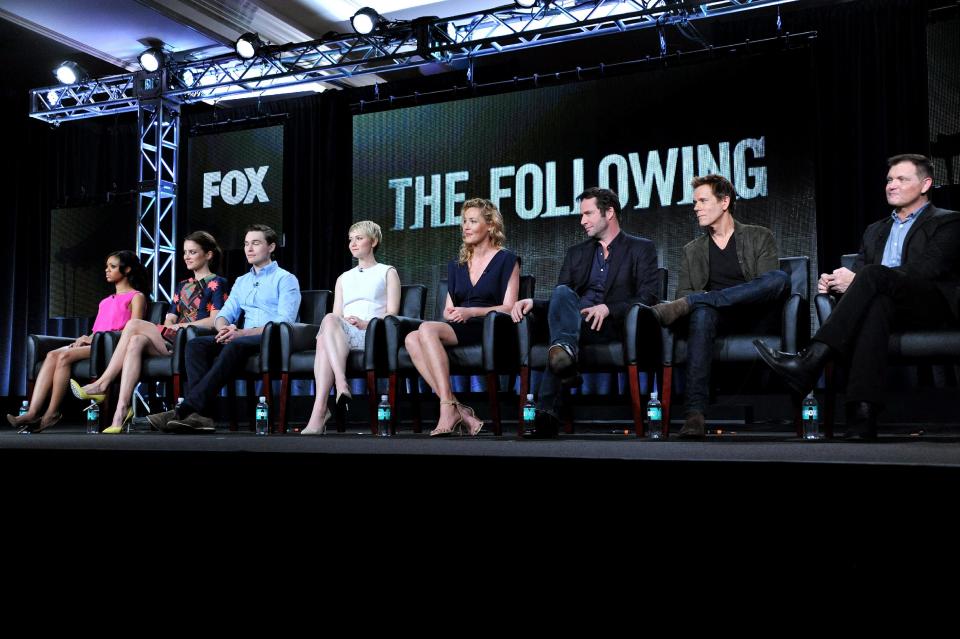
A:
{"x": 800, "y": 372}
{"x": 695, "y": 426}
{"x": 861, "y": 422}
{"x": 545, "y": 426}
{"x": 562, "y": 360}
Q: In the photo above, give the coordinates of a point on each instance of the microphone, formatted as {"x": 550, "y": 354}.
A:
{"x": 256, "y": 284}
{"x": 360, "y": 268}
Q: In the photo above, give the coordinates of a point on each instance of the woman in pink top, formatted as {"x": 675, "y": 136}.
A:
{"x": 129, "y": 279}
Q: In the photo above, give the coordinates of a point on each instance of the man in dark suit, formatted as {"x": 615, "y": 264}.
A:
{"x": 599, "y": 280}
{"x": 907, "y": 275}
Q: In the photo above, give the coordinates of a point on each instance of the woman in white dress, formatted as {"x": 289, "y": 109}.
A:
{"x": 366, "y": 291}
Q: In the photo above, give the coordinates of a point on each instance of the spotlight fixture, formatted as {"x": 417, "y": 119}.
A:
{"x": 526, "y": 4}
{"x": 53, "y": 97}
{"x": 70, "y": 73}
{"x": 248, "y": 45}
{"x": 365, "y": 20}
{"x": 152, "y": 59}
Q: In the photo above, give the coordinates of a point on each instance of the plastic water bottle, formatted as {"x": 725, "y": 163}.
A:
{"x": 654, "y": 417}
{"x": 529, "y": 413}
{"x": 93, "y": 418}
{"x": 383, "y": 417}
{"x": 811, "y": 417}
{"x": 263, "y": 417}
{"x": 24, "y": 408}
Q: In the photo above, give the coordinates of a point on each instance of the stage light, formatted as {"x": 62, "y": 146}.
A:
{"x": 70, "y": 73}
{"x": 53, "y": 97}
{"x": 248, "y": 45}
{"x": 365, "y": 20}
{"x": 526, "y": 4}
{"x": 152, "y": 59}
{"x": 187, "y": 78}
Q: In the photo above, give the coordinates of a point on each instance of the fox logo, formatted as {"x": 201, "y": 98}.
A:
{"x": 235, "y": 187}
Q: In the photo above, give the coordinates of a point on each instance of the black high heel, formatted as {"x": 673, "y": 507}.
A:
{"x": 343, "y": 402}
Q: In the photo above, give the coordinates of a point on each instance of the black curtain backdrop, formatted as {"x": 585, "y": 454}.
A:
{"x": 871, "y": 75}
{"x": 870, "y": 103}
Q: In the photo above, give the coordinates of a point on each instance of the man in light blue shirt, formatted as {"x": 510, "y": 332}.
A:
{"x": 901, "y": 221}
{"x": 266, "y": 294}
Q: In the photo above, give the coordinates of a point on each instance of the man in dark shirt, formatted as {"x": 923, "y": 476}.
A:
{"x": 907, "y": 276}
{"x": 599, "y": 280}
{"x": 728, "y": 276}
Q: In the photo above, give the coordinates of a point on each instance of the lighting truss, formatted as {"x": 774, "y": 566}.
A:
{"x": 397, "y": 47}
{"x": 159, "y": 128}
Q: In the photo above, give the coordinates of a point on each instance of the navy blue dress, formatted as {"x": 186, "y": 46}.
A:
{"x": 489, "y": 291}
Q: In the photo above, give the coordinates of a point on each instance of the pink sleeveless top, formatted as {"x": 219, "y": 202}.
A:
{"x": 114, "y": 312}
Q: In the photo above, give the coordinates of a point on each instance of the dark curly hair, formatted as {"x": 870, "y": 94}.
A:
{"x": 137, "y": 275}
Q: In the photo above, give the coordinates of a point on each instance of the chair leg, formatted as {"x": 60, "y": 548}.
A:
{"x": 268, "y": 393}
{"x": 284, "y": 395}
{"x": 176, "y": 388}
{"x": 830, "y": 400}
{"x": 392, "y": 397}
{"x": 493, "y": 382}
{"x": 635, "y": 405}
{"x": 667, "y": 398}
{"x": 797, "y": 402}
{"x": 415, "y": 404}
{"x": 232, "y": 401}
{"x": 524, "y": 391}
{"x": 372, "y": 402}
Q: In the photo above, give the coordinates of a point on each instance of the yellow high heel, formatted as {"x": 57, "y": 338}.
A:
{"x": 79, "y": 393}
{"x": 116, "y": 430}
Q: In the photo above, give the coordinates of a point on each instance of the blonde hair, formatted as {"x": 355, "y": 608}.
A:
{"x": 492, "y": 217}
{"x": 370, "y": 229}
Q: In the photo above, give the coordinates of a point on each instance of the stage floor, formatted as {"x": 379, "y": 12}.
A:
{"x": 935, "y": 450}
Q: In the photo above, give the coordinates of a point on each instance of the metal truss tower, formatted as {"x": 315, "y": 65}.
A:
{"x": 159, "y": 132}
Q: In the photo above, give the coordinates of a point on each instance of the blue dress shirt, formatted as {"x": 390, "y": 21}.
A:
{"x": 893, "y": 251}
{"x": 270, "y": 295}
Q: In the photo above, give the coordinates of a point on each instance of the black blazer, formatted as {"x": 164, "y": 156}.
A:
{"x": 632, "y": 277}
{"x": 931, "y": 250}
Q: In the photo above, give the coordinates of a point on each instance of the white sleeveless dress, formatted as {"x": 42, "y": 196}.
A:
{"x": 364, "y": 296}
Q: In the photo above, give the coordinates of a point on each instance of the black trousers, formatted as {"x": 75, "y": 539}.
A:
{"x": 211, "y": 365}
{"x": 879, "y": 301}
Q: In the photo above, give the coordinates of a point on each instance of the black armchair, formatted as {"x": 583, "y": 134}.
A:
{"x": 791, "y": 335}
{"x": 298, "y": 352}
{"x": 101, "y": 350}
{"x": 915, "y": 348}
{"x": 497, "y": 354}
{"x": 639, "y": 350}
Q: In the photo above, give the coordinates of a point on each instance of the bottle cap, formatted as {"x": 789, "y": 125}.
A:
{"x": 383, "y": 398}
{"x": 263, "y": 398}
{"x": 653, "y": 395}
{"x": 529, "y": 397}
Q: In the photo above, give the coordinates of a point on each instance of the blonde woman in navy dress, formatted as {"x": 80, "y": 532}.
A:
{"x": 368, "y": 290}
{"x": 484, "y": 278}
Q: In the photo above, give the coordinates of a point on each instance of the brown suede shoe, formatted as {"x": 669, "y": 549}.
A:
{"x": 192, "y": 423}
{"x": 669, "y": 312}
{"x": 158, "y": 421}
{"x": 695, "y": 427}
